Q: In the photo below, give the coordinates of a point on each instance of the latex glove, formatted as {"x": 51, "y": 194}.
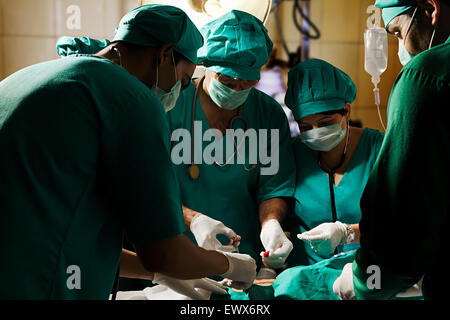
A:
{"x": 190, "y": 288}
{"x": 276, "y": 243}
{"x": 343, "y": 285}
{"x": 326, "y": 237}
{"x": 241, "y": 271}
{"x": 205, "y": 230}
{"x": 414, "y": 291}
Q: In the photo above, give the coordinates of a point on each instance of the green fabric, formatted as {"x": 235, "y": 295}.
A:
{"x": 394, "y": 8}
{"x": 85, "y": 153}
{"x": 237, "y": 45}
{"x": 230, "y": 193}
{"x": 315, "y": 86}
{"x": 314, "y": 282}
{"x": 154, "y": 25}
{"x": 408, "y": 188}
{"x": 66, "y": 46}
{"x": 255, "y": 292}
{"x": 313, "y": 196}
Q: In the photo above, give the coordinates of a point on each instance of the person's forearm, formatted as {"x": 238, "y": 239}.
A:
{"x": 355, "y": 228}
{"x": 131, "y": 266}
{"x": 179, "y": 257}
{"x": 188, "y": 214}
{"x": 275, "y": 208}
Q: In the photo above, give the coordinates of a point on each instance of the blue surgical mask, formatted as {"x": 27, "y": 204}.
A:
{"x": 168, "y": 99}
{"x": 323, "y": 138}
{"x": 226, "y": 97}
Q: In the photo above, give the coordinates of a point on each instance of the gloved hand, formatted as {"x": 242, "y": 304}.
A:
{"x": 276, "y": 244}
{"x": 190, "y": 287}
{"x": 241, "y": 271}
{"x": 326, "y": 237}
{"x": 205, "y": 230}
{"x": 343, "y": 285}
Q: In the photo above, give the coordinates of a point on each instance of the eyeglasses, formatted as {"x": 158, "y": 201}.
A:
{"x": 235, "y": 83}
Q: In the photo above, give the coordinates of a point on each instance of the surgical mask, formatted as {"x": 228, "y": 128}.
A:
{"x": 225, "y": 97}
{"x": 404, "y": 54}
{"x": 324, "y": 138}
{"x": 168, "y": 99}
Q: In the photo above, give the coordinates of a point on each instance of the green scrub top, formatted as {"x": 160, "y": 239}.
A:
{"x": 312, "y": 193}
{"x": 406, "y": 204}
{"x": 85, "y": 159}
{"x": 230, "y": 193}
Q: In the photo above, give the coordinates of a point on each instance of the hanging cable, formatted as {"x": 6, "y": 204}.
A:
{"x": 298, "y": 8}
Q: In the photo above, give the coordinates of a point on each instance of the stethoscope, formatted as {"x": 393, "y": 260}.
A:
{"x": 331, "y": 172}
{"x": 194, "y": 169}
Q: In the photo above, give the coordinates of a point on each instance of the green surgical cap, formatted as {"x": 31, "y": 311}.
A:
{"x": 315, "y": 86}
{"x": 394, "y": 8}
{"x": 237, "y": 45}
{"x": 67, "y": 46}
{"x": 153, "y": 25}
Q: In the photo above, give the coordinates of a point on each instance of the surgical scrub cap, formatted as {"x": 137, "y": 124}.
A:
{"x": 236, "y": 44}
{"x": 153, "y": 25}
{"x": 66, "y": 46}
{"x": 394, "y": 8}
{"x": 315, "y": 86}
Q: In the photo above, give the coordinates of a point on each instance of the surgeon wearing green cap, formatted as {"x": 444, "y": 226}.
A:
{"x": 233, "y": 195}
{"x": 405, "y": 206}
{"x": 329, "y": 154}
{"x": 85, "y": 160}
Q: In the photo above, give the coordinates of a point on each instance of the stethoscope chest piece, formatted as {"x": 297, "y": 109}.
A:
{"x": 194, "y": 171}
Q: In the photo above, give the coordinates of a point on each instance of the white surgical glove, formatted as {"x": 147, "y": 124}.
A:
{"x": 343, "y": 286}
{"x": 275, "y": 243}
{"x": 205, "y": 230}
{"x": 326, "y": 237}
{"x": 190, "y": 288}
{"x": 241, "y": 271}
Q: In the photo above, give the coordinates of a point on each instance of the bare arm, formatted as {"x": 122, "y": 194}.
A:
{"x": 188, "y": 214}
{"x": 131, "y": 266}
{"x": 180, "y": 258}
{"x": 357, "y": 234}
{"x": 275, "y": 208}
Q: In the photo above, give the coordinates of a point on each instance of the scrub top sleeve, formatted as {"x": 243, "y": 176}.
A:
{"x": 277, "y": 177}
{"x": 139, "y": 171}
{"x": 403, "y": 205}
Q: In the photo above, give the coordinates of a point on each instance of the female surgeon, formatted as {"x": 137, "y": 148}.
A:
{"x": 232, "y": 189}
{"x": 333, "y": 161}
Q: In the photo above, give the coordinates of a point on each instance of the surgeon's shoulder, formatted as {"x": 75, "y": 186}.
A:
{"x": 373, "y": 139}
{"x": 432, "y": 63}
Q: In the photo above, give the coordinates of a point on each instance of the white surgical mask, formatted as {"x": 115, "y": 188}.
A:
{"x": 324, "y": 138}
{"x": 168, "y": 99}
{"x": 404, "y": 54}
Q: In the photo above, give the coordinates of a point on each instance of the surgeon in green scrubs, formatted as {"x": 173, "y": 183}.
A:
{"x": 85, "y": 160}
{"x": 405, "y": 206}
{"x": 249, "y": 197}
{"x": 320, "y": 97}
